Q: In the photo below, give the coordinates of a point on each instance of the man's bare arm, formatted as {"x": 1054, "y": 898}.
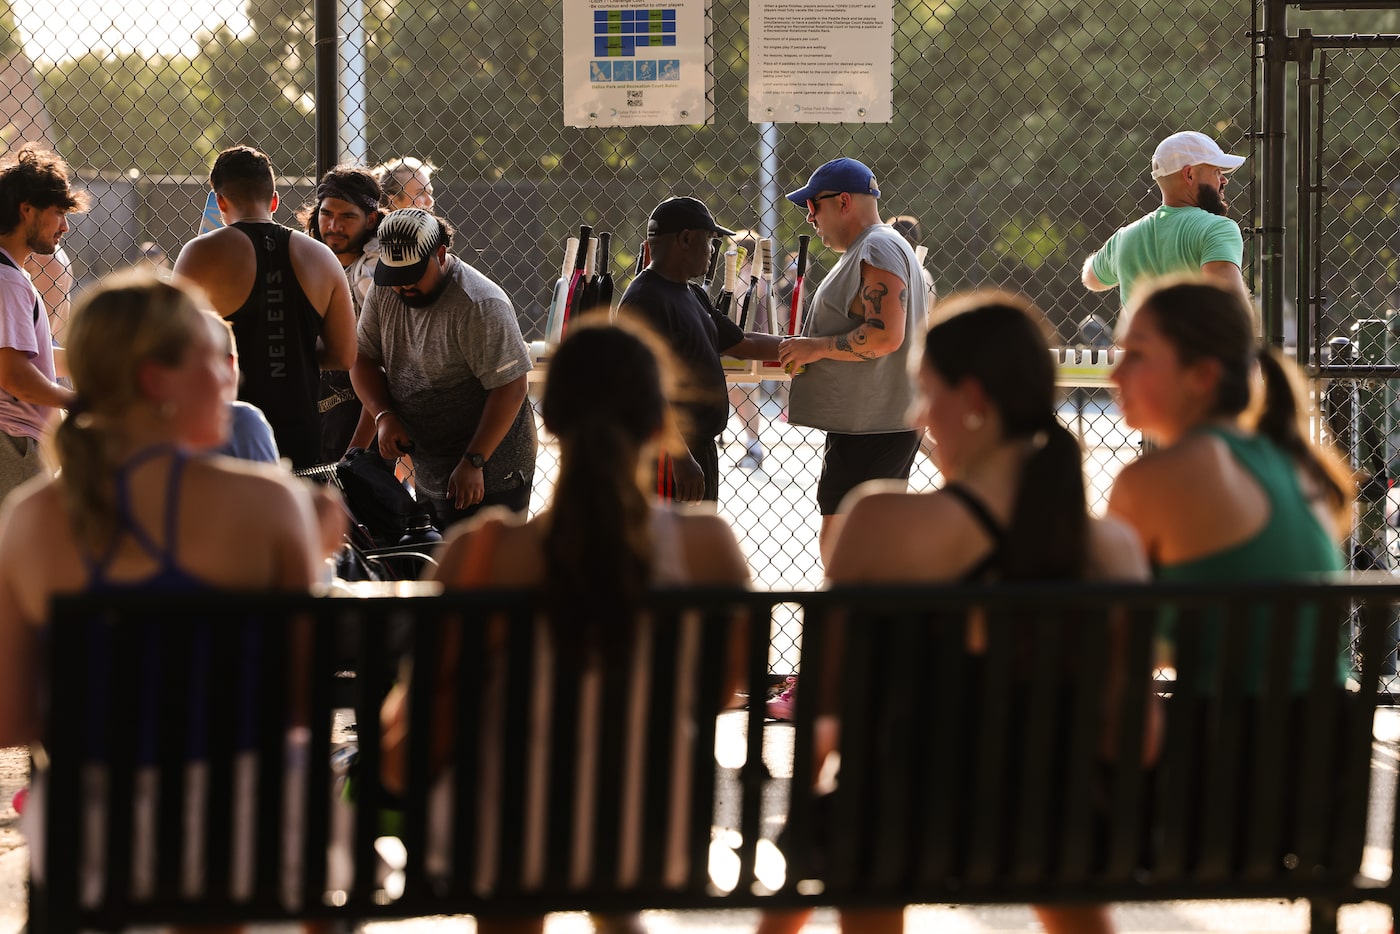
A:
{"x": 22, "y": 379}
{"x": 1227, "y": 274}
{"x": 1091, "y": 281}
{"x": 882, "y": 305}
{"x": 323, "y": 280}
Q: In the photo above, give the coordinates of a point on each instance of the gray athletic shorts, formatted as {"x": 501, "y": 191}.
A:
{"x": 19, "y": 460}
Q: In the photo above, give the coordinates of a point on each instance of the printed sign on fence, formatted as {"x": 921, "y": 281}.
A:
{"x": 636, "y": 63}
{"x": 821, "y": 61}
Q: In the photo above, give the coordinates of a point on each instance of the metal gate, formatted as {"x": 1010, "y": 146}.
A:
{"x": 1332, "y": 89}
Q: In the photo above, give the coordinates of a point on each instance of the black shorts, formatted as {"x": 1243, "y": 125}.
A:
{"x": 850, "y": 460}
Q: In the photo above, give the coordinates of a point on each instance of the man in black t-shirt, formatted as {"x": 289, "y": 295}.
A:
{"x": 678, "y": 240}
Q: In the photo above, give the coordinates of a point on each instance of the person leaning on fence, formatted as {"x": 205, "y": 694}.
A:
{"x": 602, "y": 542}
{"x": 285, "y": 295}
{"x": 912, "y": 230}
{"x": 345, "y": 217}
{"x": 1013, "y": 507}
{"x": 1188, "y": 233}
{"x": 742, "y": 395}
{"x": 850, "y": 366}
{"x": 134, "y": 507}
{"x": 1236, "y": 491}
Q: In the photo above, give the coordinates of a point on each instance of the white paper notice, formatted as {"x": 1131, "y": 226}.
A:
{"x": 636, "y": 63}
{"x": 821, "y": 61}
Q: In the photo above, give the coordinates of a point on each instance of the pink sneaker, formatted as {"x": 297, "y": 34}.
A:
{"x": 781, "y": 706}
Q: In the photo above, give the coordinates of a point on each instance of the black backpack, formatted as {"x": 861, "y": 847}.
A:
{"x": 377, "y": 500}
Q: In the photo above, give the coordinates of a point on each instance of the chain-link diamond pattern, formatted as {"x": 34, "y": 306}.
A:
{"x": 1021, "y": 139}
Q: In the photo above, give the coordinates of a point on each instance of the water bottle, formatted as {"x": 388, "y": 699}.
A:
{"x": 418, "y": 530}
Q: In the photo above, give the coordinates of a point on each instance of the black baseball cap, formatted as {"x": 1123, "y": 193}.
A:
{"x": 676, "y": 214}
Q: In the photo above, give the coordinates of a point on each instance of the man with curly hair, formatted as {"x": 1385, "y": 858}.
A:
{"x": 35, "y": 199}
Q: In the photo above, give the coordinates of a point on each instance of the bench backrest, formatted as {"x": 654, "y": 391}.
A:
{"x": 964, "y": 774}
{"x": 567, "y": 786}
{"x": 560, "y": 776}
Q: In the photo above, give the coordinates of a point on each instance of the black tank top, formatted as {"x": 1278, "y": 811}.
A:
{"x": 276, "y": 330}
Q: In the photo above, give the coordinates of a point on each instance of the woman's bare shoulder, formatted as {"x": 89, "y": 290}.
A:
{"x": 1116, "y": 552}
{"x": 516, "y": 546}
{"x": 712, "y": 550}
{"x": 1154, "y": 481}
{"x": 891, "y": 535}
{"x": 255, "y": 491}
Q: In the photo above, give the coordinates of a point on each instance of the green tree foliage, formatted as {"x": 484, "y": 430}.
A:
{"x": 263, "y": 84}
{"x": 118, "y": 112}
{"x": 1021, "y": 134}
{"x": 9, "y": 35}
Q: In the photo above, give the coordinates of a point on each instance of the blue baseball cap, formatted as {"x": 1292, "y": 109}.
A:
{"x": 841, "y": 174}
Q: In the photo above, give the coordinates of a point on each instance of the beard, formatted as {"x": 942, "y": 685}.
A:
{"x": 38, "y": 245}
{"x": 416, "y": 299}
{"x": 1208, "y": 199}
{"x": 420, "y": 299}
{"x": 346, "y": 244}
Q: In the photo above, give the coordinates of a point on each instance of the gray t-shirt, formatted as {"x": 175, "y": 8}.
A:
{"x": 861, "y": 397}
{"x": 440, "y": 362}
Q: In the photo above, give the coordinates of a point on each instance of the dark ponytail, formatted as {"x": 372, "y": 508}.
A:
{"x": 598, "y": 543}
{"x": 1280, "y": 420}
{"x": 999, "y": 340}
{"x": 604, "y": 400}
{"x": 1048, "y": 538}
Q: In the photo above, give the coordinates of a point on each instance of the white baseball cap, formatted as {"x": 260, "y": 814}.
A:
{"x": 1179, "y": 150}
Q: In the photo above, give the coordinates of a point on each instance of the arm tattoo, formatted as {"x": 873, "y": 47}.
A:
{"x": 874, "y": 296}
{"x": 843, "y": 343}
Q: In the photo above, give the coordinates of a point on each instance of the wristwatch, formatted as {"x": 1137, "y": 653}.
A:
{"x": 476, "y": 460}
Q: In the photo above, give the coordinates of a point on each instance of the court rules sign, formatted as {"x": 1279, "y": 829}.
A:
{"x": 821, "y": 61}
{"x": 636, "y": 63}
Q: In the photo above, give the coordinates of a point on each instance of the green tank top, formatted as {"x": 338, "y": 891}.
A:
{"x": 1292, "y": 545}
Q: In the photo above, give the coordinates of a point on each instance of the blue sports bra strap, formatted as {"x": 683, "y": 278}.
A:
{"x": 178, "y": 459}
{"x": 172, "y": 495}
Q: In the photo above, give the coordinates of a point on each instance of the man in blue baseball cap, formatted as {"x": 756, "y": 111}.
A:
{"x": 855, "y": 344}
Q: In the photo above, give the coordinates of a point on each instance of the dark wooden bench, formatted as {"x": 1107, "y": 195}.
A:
{"x": 964, "y": 779}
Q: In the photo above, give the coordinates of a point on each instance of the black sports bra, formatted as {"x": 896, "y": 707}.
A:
{"x": 984, "y": 569}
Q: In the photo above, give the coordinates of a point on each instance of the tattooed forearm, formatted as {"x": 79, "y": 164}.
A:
{"x": 853, "y": 343}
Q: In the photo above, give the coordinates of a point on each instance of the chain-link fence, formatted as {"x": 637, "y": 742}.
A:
{"x": 1337, "y": 85}
{"x": 1021, "y": 139}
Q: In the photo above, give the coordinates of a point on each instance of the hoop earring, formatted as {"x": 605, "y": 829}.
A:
{"x": 972, "y": 421}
